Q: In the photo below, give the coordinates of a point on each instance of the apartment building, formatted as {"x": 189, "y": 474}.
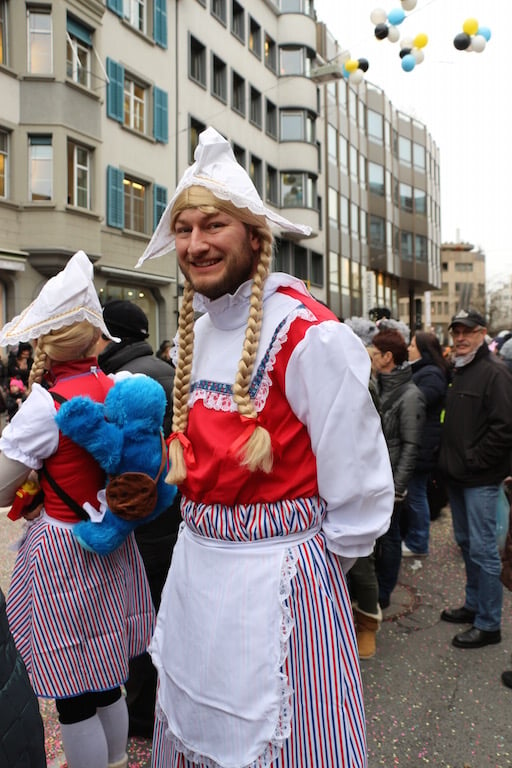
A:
{"x": 102, "y": 104}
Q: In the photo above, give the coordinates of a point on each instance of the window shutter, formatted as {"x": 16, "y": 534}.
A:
{"x": 160, "y": 115}
{"x": 159, "y": 203}
{"x": 160, "y": 22}
{"x": 116, "y": 6}
{"x": 115, "y": 90}
{"x": 115, "y": 197}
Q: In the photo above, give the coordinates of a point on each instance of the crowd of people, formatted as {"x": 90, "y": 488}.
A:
{"x": 230, "y": 630}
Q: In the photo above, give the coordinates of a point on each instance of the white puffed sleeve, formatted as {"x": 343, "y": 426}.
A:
{"x": 33, "y": 434}
{"x": 327, "y": 387}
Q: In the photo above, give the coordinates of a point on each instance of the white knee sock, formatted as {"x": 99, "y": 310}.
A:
{"x": 84, "y": 744}
{"x": 114, "y": 720}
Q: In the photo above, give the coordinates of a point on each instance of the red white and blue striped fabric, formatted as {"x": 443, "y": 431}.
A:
{"x": 322, "y": 665}
{"x": 77, "y": 617}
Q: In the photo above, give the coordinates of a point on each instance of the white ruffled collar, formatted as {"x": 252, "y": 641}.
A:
{"x": 230, "y": 311}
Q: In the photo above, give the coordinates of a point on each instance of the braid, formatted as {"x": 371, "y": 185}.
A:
{"x": 178, "y": 471}
{"x": 38, "y": 367}
{"x": 257, "y": 453}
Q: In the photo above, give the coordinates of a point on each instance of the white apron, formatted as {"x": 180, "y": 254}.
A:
{"x": 219, "y": 645}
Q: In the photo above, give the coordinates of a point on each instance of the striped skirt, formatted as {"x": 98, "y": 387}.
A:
{"x": 322, "y": 668}
{"x": 77, "y": 617}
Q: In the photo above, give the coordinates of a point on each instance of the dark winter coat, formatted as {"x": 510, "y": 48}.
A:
{"x": 432, "y": 382}
{"x": 21, "y": 726}
{"x": 477, "y": 434}
{"x": 137, "y": 357}
{"x": 402, "y": 408}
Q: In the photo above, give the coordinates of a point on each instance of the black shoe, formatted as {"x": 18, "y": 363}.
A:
{"x": 476, "y": 638}
{"x": 506, "y": 679}
{"x": 458, "y": 615}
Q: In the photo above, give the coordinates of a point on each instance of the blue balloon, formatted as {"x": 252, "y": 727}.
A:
{"x": 345, "y": 72}
{"x": 396, "y": 16}
{"x": 408, "y": 63}
{"x": 485, "y": 32}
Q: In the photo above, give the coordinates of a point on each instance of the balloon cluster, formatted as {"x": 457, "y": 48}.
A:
{"x": 473, "y": 37}
{"x": 386, "y": 27}
{"x": 386, "y": 23}
{"x": 354, "y": 69}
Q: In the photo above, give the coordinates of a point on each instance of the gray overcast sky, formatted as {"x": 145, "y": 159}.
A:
{"x": 464, "y": 99}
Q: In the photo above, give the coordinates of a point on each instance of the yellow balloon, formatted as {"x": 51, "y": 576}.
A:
{"x": 470, "y": 26}
{"x": 420, "y": 40}
{"x": 351, "y": 65}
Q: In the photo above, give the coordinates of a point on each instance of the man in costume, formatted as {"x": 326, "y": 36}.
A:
{"x": 278, "y": 451}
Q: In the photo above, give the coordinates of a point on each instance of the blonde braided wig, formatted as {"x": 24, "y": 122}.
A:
{"x": 69, "y": 343}
{"x": 257, "y": 452}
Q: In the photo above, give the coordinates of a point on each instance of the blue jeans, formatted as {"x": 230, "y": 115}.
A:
{"x": 388, "y": 557}
{"x": 418, "y": 514}
{"x": 474, "y": 526}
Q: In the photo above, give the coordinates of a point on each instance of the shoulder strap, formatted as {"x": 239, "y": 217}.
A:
{"x": 72, "y": 504}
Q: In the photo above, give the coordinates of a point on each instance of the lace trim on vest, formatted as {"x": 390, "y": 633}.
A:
{"x": 219, "y": 397}
{"x": 283, "y": 725}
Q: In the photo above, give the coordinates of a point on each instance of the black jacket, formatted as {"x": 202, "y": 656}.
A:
{"x": 21, "y": 726}
{"x": 477, "y": 434}
{"x": 402, "y": 408}
{"x": 433, "y": 383}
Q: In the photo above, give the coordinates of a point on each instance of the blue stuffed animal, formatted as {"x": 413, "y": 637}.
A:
{"x": 124, "y": 435}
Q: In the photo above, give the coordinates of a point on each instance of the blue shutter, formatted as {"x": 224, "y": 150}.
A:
{"x": 115, "y": 90}
{"x": 160, "y": 115}
{"x": 115, "y": 197}
{"x": 159, "y": 203}
{"x": 160, "y": 22}
{"x": 79, "y": 31}
{"x": 116, "y": 6}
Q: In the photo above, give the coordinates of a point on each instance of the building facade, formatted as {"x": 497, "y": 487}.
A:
{"x": 102, "y": 104}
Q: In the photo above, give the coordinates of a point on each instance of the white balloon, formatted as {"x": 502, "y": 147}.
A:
{"x": 356, "y": 77}
{"x": 407, "y": 42}
{"x": 408, "y": 5}
{"x": 378, "y": 16}
{"x": 478, "y": 43}
{"x": 393, "y": 34}
{"x": 418, "y": 55}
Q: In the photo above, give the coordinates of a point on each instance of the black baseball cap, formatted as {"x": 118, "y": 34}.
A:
{"x": 469, "y": 317}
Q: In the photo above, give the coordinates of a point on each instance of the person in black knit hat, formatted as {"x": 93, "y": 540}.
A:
{"x": 155, "y": 539}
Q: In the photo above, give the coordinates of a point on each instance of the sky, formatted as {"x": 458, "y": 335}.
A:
{"x": 463, "y": 97}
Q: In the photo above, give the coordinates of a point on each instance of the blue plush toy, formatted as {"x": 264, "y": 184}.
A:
{"x": 124, "y": 435}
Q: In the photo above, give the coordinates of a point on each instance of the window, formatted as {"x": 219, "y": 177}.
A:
{"x": 463, "y": 266}
{"x": 418, "y": 156}
{"x": 40, "y": 59}
{"x": 4, "y": 164}
{"x": 256, "y": 173}
{"x": 405, "y": 197}
{"x": 404, "y": 150}
{"x": 300, "y": 262}
{"x": 332, "y": 202}
{"x": 239, "y": 153}
{"x": 420, "y": 201}
{"x": 219, "y": 79}
{"x": 343, "y": 152}
{"x": 79, "y": 176}
{"x": 421, "y": 248}
{"x": 317, "y": 268}
{"x": 297, "y": 125}
{"x": 270, "y": 53}
{"x": 3, "y": 32}
{"x": 238, "y": 20}
{"x": 406, "y": 245}
{"x": 219, "y": 10}
{"x": 134, "y": 105}
{"x": 270, "y": 118}
{"x": 134, "y": 205}
{"x": 354, "y": 162}
{"x": 332, "y": 142}
{"x": 354, "y": 219}
{"x": 78, "y": 52}
{"x": 254, "y": 37}
{"x": 196, "y": 128}
{"x": 272, "y": 189}
{"x": 375, "y": 125}
{"x": 255, "y": 106}
{"x": 298, "y": 190}
{"x": 376, "y": 174}
{"x": 238, "y": 94}
{"x": 40, "y": 168}
{"x": 294, "y": 60}
{"x": 344, "y": 212}
{"x": 377, "y": 232}
{"x": 134, "y": 11}
{"x": 197, "y": 62}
